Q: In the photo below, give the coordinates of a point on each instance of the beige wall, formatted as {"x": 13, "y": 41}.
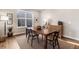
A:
{"x": 70, "y": 19}
{"x": 16, "y": 30}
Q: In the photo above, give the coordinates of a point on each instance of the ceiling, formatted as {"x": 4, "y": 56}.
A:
{"x": 34, "y": 9}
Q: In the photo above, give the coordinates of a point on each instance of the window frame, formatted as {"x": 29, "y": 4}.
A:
{"x": 25, "y": 19}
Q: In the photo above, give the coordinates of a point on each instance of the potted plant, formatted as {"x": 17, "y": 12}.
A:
{"x": 10, "y": 33}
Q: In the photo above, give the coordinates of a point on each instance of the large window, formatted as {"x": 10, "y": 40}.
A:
{"x": 29, "y": 19}
{"x": 21, "y": 22}
{"x": 24, "y": 18}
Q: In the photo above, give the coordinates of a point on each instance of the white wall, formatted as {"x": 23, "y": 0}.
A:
{"x": 36, "y": 15}
{"x": 69, "y": 17}
{"x": 16, "y": 30}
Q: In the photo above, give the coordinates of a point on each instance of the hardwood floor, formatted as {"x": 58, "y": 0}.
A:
{"x": 20, "y": 42}
{"x": 9, "y": 43}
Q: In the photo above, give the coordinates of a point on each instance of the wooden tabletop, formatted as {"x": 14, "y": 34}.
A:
{"x": 43, "y": 31}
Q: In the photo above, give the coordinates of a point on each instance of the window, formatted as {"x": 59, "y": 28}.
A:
{"x": 21, "y": 22}
{"x": 29, "y": 19}
{"x": 29, "y": 22}
{"x": 24, "y": 18}
{"x": 21, "y": 18}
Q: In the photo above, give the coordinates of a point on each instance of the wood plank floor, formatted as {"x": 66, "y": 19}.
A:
{"x": 20, "y": 42}
{"x": 9, "y": 43}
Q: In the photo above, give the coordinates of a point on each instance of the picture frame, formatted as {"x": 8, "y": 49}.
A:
{"x": 10, "y": 21}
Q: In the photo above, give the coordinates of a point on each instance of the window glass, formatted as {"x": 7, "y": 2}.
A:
{"x": 29, "y": 15}
{"x": 20, "y": 14}
{"x": 29, "y": 22}
{"x": 24, "y": 18}
{"x": 21, "y": 22}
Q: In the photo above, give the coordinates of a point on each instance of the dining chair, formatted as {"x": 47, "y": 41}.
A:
{"x": 29, "y": 33}
{"x": 52, "y": 38}
{"x": 34, "y": 36}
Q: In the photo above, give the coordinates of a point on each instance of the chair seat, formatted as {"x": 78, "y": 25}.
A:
{"x": 35, "y": 35}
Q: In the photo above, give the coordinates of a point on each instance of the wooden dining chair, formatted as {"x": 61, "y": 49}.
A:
{"x": 52, "y": 38}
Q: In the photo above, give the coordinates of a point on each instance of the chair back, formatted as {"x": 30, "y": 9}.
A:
{"x": 49, "y": 36}
{"x": 28, "y": 31}
{"x": 53, "y": 35}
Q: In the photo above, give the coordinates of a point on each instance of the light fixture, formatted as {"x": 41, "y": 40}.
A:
{"x": 4, "y": 18}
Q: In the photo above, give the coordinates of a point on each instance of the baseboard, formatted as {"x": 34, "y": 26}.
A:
{"x": 71, "y": 40}
{"x": 70, "y": 37}
{"x": 18, "y": 34}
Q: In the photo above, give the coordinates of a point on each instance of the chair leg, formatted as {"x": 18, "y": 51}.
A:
{"x": 32, "y": 41}
{"x": 58, "y": 44}
{"x": 38, "y": 39}
{"x": 28, "y": 38}
{"x": 42, "y": 36}
{"x": 27, "y": 33}
{"x": 54, "y": 45}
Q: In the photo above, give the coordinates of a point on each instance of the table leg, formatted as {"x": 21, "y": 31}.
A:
{"x": 45, "y": 42}
{"x": 42, "y": 36}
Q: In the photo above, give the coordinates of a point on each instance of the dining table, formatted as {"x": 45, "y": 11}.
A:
{"x": 43, "y": 32}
